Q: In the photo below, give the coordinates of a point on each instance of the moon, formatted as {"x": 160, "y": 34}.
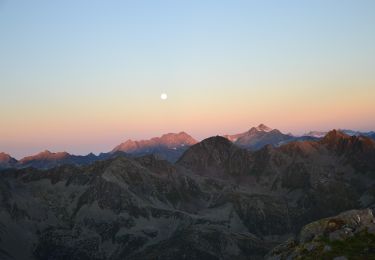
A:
{"x": 163, "y": 96}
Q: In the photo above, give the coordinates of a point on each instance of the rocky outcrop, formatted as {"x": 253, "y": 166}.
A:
{"x": 349, "y": 235}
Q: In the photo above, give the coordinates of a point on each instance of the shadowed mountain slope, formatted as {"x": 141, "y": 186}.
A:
{"x": 219, "y": 201}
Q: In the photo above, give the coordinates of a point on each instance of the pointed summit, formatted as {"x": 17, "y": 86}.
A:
{"x": 258, "y": 137}
{"x": 6, "y": 161}
{"x": 4, "y": 157}
{"x": 264, "y": 128}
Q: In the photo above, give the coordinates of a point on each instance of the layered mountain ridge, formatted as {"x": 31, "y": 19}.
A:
{"x": 169, "y": 146}
{"x": 169, "y": 140}
{"x": 320, "y": 134}
{"x": 257, "y": 137}
{"x": 218, "y": 201}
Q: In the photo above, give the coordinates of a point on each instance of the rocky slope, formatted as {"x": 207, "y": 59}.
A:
{"x": 319, "y": 178}
{"x": 349, "y": 235}
{"x": 129, "y": 208}
{"x": 216, "y": 156}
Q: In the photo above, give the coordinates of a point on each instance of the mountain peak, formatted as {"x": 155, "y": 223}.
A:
{"x": 45, "y": 155}
{"x": 6, "y": 158}
{"x": 169, "y": 146}
{"x": 335, "y": 135}
{"x": 182, "y": 133}
{"x": 360, "y": 149}
{"x": 169, "y": 140}
{"x": 263, "y": 127}
{"x": 177, "y": 139}
{"x": 212, "y": 150}
{"x": 127, "y": 146}
{"x": 216, "y": 141}
{"x": 257, "y": 137}
{"x": 217, "y": 156}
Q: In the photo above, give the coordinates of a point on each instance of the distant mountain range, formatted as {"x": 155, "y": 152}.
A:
{"x": 320, "y": 134}
{"x": 257, "y": 137}
{"x": 262, "y": 135}
{"x": 218, "y": 154}
{"x": 217, "y": 201}
{"x": 170, "y": 147}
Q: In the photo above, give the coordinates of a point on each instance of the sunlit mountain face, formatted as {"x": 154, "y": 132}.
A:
{"x": 199, "y": 130}
{"x": 168, "y": 147}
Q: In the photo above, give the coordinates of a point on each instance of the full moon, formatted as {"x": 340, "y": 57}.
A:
{"x": 163, "y": 96}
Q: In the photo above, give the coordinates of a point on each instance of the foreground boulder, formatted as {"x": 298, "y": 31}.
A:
{"x": 349, "y": 235}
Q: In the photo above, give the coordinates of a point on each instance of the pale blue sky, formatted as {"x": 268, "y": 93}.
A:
{"x": 70, "y": 67}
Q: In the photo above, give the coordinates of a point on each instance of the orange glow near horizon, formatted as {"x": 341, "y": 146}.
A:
{"x": 84, "y": 77}
{"x": 84, "y": 128}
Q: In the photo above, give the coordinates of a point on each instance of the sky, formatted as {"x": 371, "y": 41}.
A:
{"x": 83, "y": 76}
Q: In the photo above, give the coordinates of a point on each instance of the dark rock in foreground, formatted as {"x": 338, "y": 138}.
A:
{"x": 350, "y": 235}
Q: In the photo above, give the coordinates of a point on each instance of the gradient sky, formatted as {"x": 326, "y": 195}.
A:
{"x": 83, "y": 76}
